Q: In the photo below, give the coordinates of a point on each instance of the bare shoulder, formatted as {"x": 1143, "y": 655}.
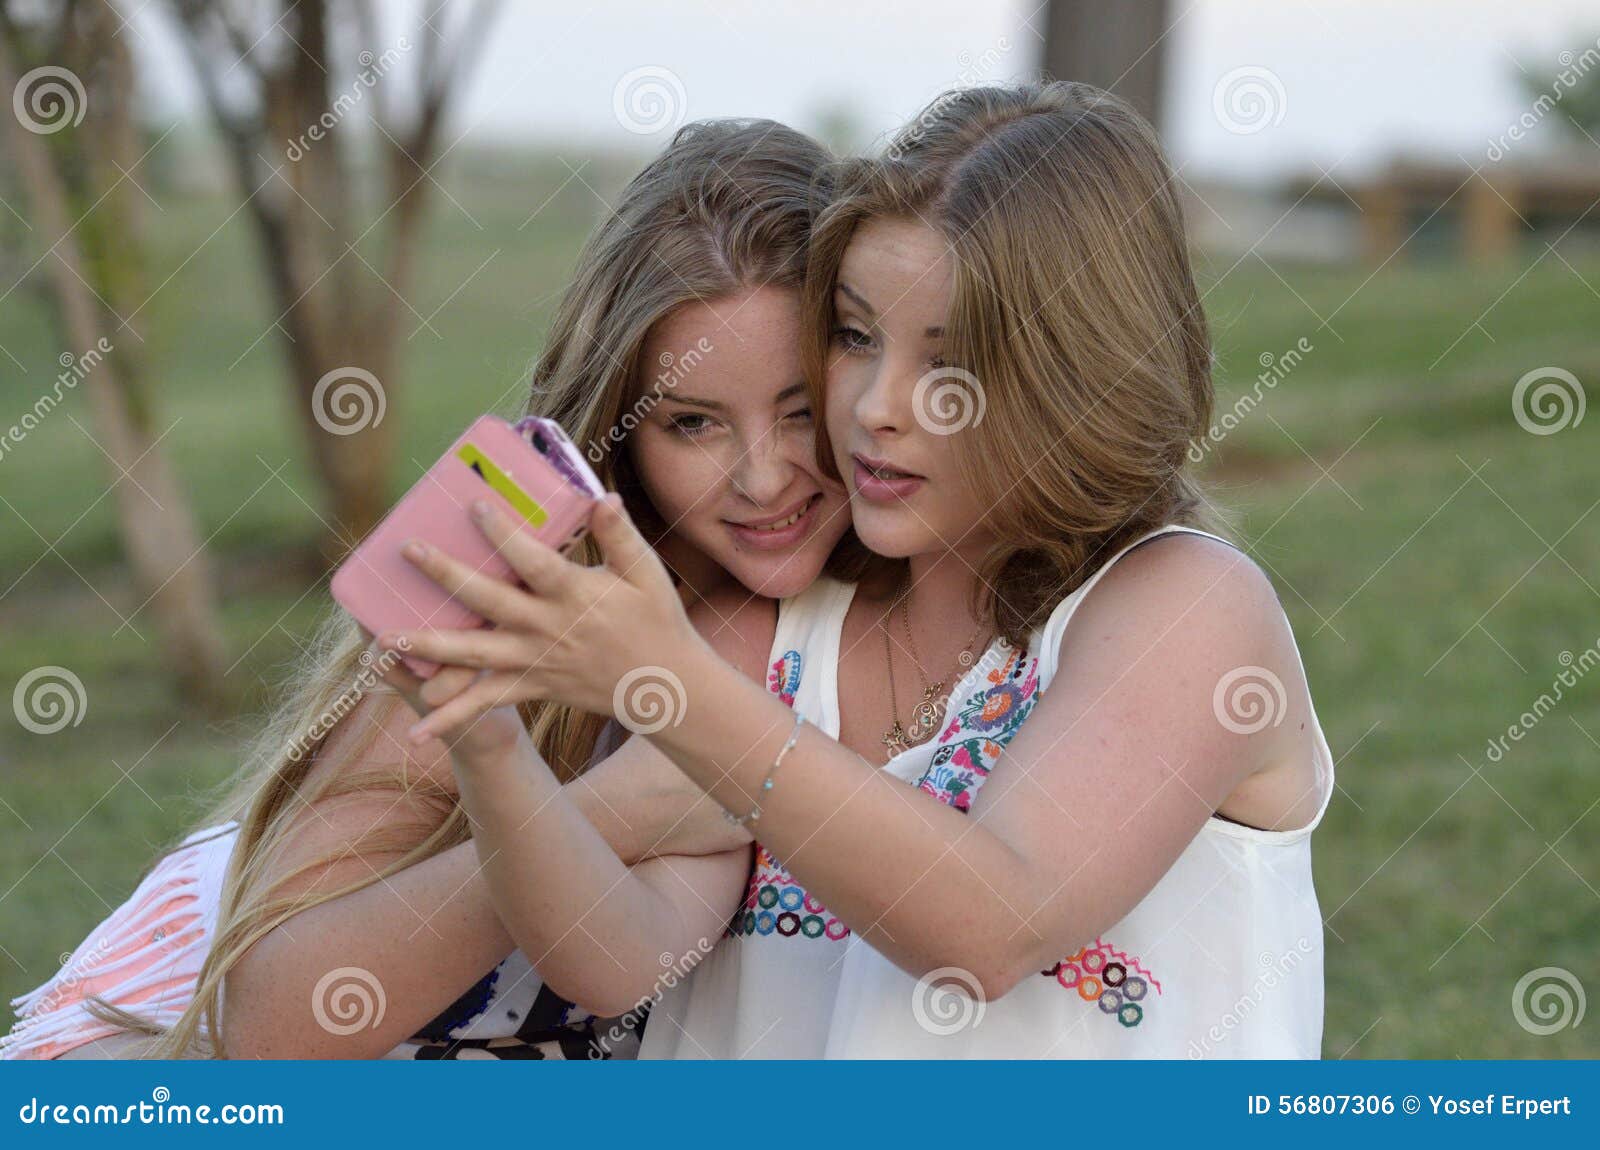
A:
{"x": 738, "y": 625}
{"x": 1190, "y": 632}
{"x": 1193, "y": 587}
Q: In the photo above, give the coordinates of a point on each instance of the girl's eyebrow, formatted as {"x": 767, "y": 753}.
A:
{"x": 935, "y": 332}
{"x": 692, "y": 401}
{"x": 787, "y": 393}
{"x": 859, "y": 299}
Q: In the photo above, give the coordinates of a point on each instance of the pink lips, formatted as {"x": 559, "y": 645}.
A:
{"x": 761, "y": 534}
{"x": 877, "y": 482}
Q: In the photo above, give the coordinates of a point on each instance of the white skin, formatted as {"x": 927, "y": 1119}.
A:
{"x": 1119, "y": 766}
{"x": 631, "y": 837}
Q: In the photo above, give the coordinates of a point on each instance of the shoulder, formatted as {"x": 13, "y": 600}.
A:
{"x": 1184, "y": 580}
{"x": 1180, "y": 606}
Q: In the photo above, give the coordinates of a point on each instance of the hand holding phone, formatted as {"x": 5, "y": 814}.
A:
{"x": 532, "y": 471}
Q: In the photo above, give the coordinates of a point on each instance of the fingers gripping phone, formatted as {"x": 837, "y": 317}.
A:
{"x": 531, "y": 471}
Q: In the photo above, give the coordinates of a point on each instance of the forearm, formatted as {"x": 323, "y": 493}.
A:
{"x": 427, "y": 933}
{"x": 424, "y": 935}
{"x": 645, "y": 807}
{"x": 926, "y": 885}
{"x": 593, "y": 928}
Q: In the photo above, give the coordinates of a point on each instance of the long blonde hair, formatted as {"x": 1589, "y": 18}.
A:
{"x": 727, "y": 206}
{"x": 1073, "y": 310}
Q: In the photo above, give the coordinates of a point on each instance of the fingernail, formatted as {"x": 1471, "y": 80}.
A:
{"x": 416, "y": 549}
{"x": 417, "y": 734}
{"x": 391, "y": 640}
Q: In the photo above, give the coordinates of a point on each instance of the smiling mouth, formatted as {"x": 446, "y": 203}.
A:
{"x": 789, "y": 520}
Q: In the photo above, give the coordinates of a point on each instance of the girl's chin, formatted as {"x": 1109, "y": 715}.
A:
{"x": 779, "y": 576}
{"x": 894, "y": 533}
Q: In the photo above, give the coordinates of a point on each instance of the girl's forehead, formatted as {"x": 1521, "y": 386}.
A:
{"x": 897, "y": 264}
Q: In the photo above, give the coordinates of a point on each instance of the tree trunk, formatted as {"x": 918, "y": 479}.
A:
{"x": 170, "y": 568}
{"x": 1113, "y": 45}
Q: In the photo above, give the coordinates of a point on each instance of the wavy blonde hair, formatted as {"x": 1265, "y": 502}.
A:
{"x": 727, "y": 206}
{"x": 1073, "y": 305}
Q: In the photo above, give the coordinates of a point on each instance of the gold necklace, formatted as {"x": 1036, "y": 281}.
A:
{"x": 925, "y": 715}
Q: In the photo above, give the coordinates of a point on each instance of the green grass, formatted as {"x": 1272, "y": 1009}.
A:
{"x": 1418, "y": 573}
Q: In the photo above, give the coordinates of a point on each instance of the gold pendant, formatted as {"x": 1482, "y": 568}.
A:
{"x": 925, "y": 715}
{"x": 894, "y": 739}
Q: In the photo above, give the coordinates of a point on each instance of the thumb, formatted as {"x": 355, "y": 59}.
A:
{"x": 627, "y": 554}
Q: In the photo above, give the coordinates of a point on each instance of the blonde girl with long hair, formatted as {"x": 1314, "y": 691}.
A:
{"x": 1042, "y": 783}
{"x": 333, "y": 904}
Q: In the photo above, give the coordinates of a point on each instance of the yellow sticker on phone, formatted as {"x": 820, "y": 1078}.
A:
{"x": 499, "y": 481}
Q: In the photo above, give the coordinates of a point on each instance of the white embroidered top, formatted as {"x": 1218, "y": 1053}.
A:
{"x": 1223, "y": 958}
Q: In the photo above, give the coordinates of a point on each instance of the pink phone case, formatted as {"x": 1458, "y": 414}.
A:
{"x": 381, "y": 588}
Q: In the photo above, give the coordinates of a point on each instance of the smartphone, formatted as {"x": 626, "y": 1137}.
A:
{"x": 531, "y": 470}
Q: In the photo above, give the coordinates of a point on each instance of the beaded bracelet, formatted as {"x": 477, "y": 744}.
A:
{"x": 766, "y": 784}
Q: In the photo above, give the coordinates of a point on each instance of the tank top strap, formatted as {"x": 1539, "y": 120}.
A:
{"x": 804, "y": 660}
{"x": 1047, "y": 640}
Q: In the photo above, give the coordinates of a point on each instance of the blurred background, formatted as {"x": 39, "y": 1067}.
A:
{"x": 237, "y": 238}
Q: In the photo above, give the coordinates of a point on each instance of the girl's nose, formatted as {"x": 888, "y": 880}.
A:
{"x": 762, "y": 473}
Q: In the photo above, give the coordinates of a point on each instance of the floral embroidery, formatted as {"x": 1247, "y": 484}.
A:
{"x": 983, "y": 725}
{"x": 774, "y": 902}
{"x": 783, "y": 679}
{"x": 1112, "y": 979}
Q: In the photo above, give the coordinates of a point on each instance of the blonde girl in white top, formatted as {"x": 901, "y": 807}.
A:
{"x": 1061, "y": 769}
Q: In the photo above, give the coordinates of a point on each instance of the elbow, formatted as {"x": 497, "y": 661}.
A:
{"x": 602, "y": 1001}
{"x": 984, "y": 973}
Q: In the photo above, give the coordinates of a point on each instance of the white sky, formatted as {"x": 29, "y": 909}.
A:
{"x": 1360, "y": 79}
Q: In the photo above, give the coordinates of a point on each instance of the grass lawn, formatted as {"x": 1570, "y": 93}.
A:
{"x": 1438, "y": 562}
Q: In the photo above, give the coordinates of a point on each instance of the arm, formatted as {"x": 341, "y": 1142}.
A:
{"x": 598, "y": 931}
{"x": 428, "y": 932}
{"x": 1118, "y": 768}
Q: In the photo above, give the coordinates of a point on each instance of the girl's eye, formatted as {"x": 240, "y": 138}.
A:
{"x": 938, "y": 362}
{"x": 804, "y": 414}
{"x": 691, "y": 424}
{"x": 851, "y": 338}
